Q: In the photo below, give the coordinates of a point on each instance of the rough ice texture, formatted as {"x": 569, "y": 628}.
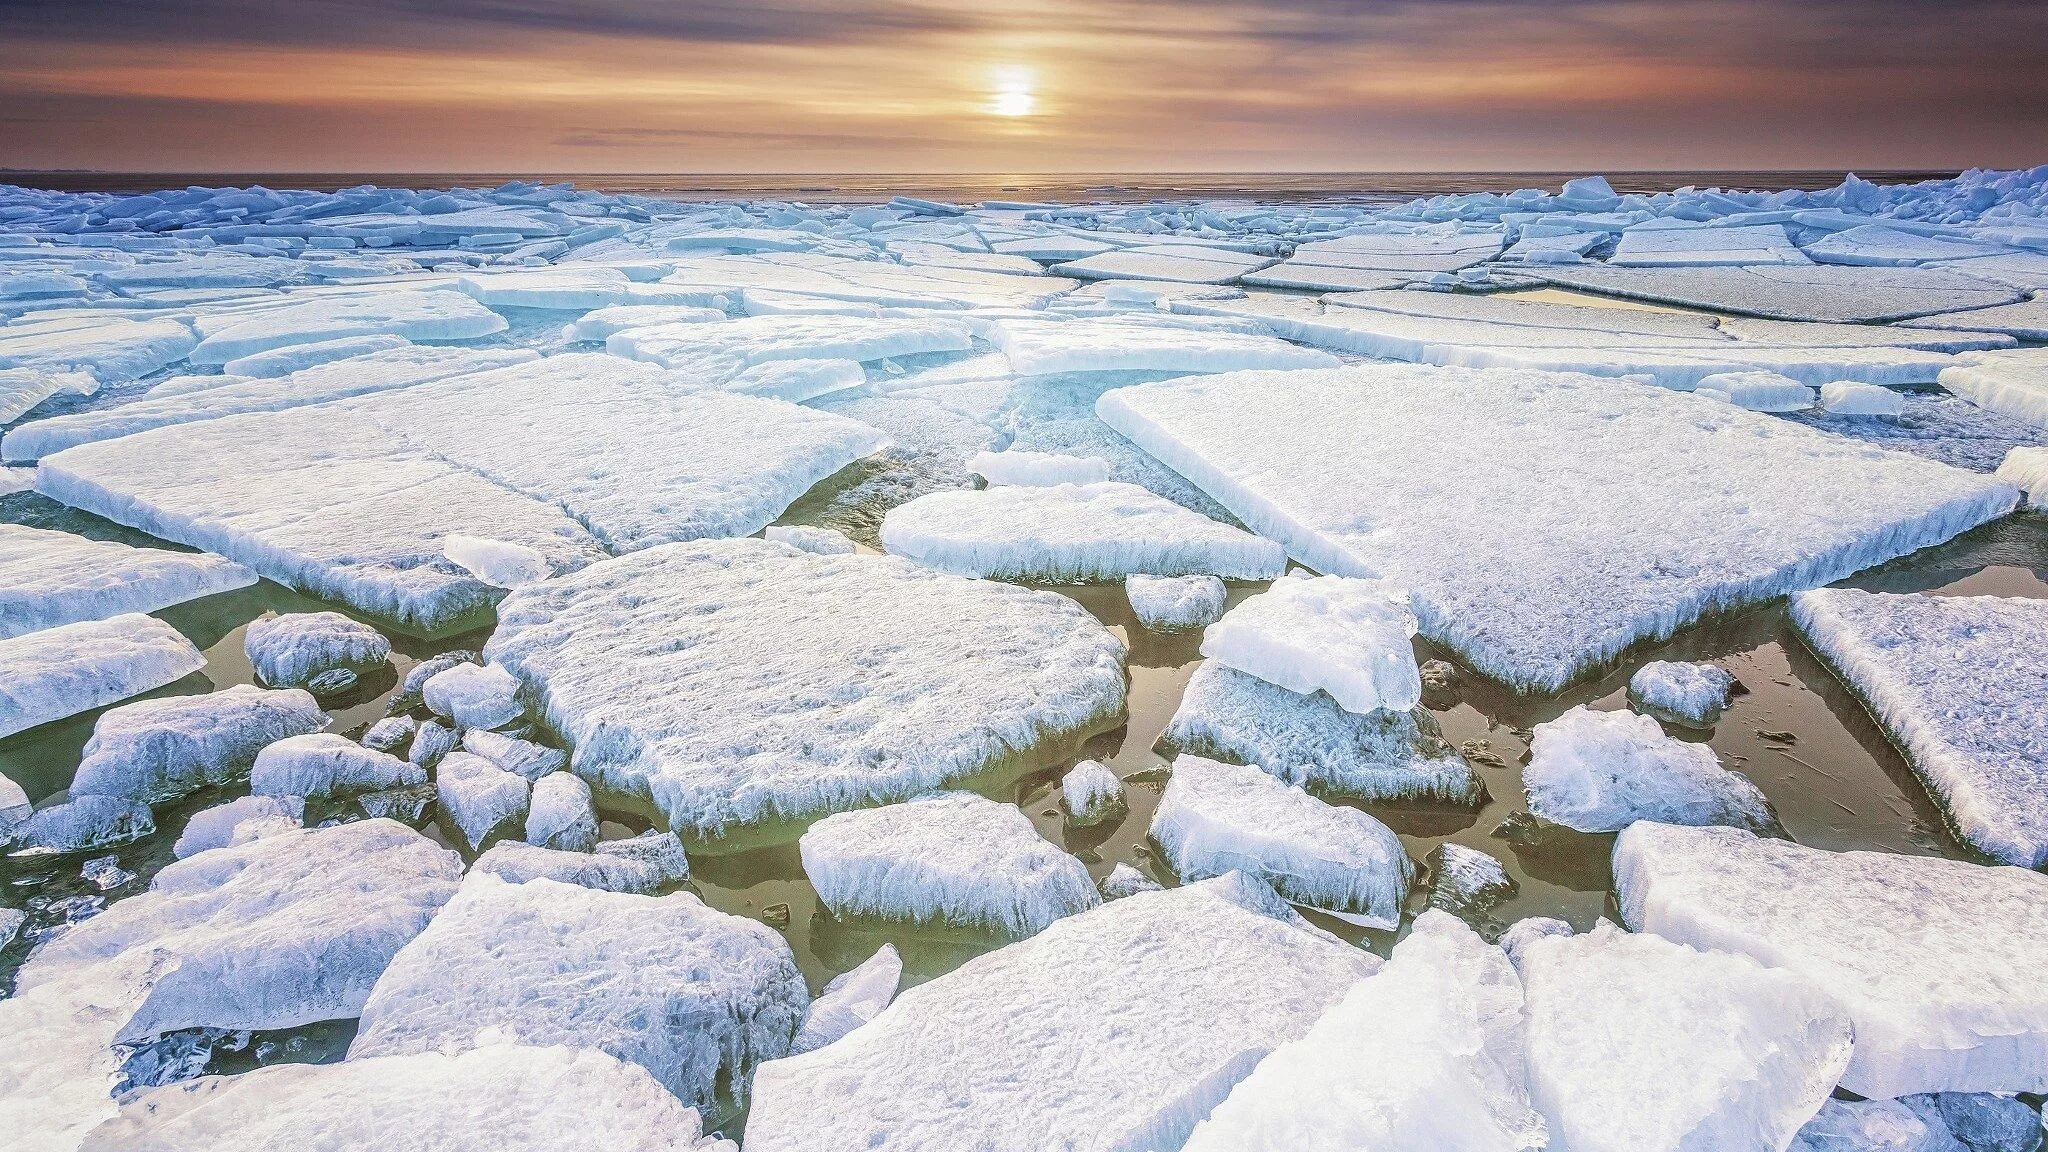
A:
{"x": 1124, "y": 880}
{"x": 1605, "y": 474}
{"x": 1466, "y": 881}
{"x": 2027, "y": 470}
{"x": 519, "y": 757}
{"x": 275, "y": 933}
{"x": 473, "y": 696}
{"x": 1116, "y": 344}
{"x": 57, "y": 1058}
{"x": 1311, "y": 741}
{"x": 434, "y": 315}
{"x": 85, "y": 823}
{"x": 1935, "y": 960}
{"x": 506, "y": 1097}
{"x": 1983, "y": 1121}
{"x": 817, "y": 541}
{"x": 1215, "y": 818}
{"x": 693, "y": 995}
{"x": 1038, "y": 469}
{"x": 1091, "y": 792}
{"x": 479, "y": 798}
{"x": 1637, "y": 1044}
{"x": 2012, "y": 383}
{"x": 1757, "y": 391}
{"x": 14, "y": 808}
{"x": 1705, "y": 247}
{"x": 1818, "y": 292}
{"x": 1175, "y": 603}
{"x": 1425, "y": 1054}
{"x": 955, "y": 859}
{"x": 740, "y": 681}
{"x": 75, "y": 668}
{"x": 238, "y": 821}
{"x": 1848, "y": 398}
{"x": 645, "y": 863}
{"x": 1072, "y": 533}
{"x": 52, "y": 578}
{"x": 601, "y": 323}
{"x": 1961, "y": 685}
{"x": 850, "y": 1000}
{"x": 157, "y": 750}
{"x": 326, "y": 765}
{"x": 1873, "y": 1126}
{"x": 1689, "y": 694}
{"x": 560, "y": 815}
{"x": 497, "y": 562}
{"x": 113, "y": 351}
{"x": 1178, "y": 263}
{"x": 1602, "y": 771}
{"x": 1119, "y": 1029}
{"x": 1346, "y": 637}
{"x": 294, "y": 648}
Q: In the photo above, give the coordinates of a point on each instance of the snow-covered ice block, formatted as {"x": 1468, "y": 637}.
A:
{"x": 433, "y": 315}
{"x": 75, "y": 668}
{"x": 52, "y": 578}
{"x": 1112, "y": 344}
{"x": 1312, "y": 741}
{"x": 499, "y": 563}
{"x": 955, "y": 859}
{"x": 1961, "y": 684}
{"x": 1072, "y": 533}
{"x": 602, "y": 323}
{"x": 560, "y": 815}
{"x": 1689, "y": 694}
{"x": 2026, "y": 320}
{"x": 1848, "y": 398}
{"x": 113, "y": 350}
{"x": 473, "y": 695}
{"x": 1346, "y": 637}
{"x": 1176, "y": 263}
{"x": 1638, "y": 1044}
{"x": 1815, "y": 292}
{"x": 1091, "y": 792}
{"x": 275, "y": 933}
{"x": 238, "y": 821}
{"x": 296, "y": 647}
{"x": 519, "y": 757}
{"x": 1934, "y": 959}
{"x": 850, "y": 1000}
{"x": 325, "y": 765}
{"x": 1117, "y": 1028}
{"x": 2027, "y": 470}
{"x": 57, "y": 1054}
{"x": 740, "y": 681}
{"x": 581, "y": 287}
{"x": 83, "y": 824}
{"x": 645, "y": 863}
{"x": 1705, "y": 247}
{"x": 695, "y": 996}
{"x": 1427, "y": 1053}
{"x": 157, "y": 750}
{"x": 1757, "y": 391}
{"x": 798, "y": 380}
{"x": 1175, "y": 603}
{"x": 817, "y": 541}
{"x": 1038, "y": 469}
{"x": 479, "y": 798}
{"x": 1214, "y": 818}
{"x": 1606, "y": 474}
{"x": 507, "y": 1097}
{"x": 2012, "y": 383}
{"x": 762, "y": 339}
{"x": 1602, "y": 771}
{"x": 21, "y": 389}
{"x": 299, "y": 357}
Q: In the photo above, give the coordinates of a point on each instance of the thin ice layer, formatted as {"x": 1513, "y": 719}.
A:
{"x": 52, "y": 578}
{"x": 75, "y": 668}
{"x": 1118, "y": 1028}
{"x": 1816, "y": 292}
{"x": 1543, "y": 523}
{"x": 1935, "y": 960}
{"x": 2012, "y": 383}
{"x": 1961, "y": 684}
{"x": 430, "y": 315}
{"x": 740, "y": 681}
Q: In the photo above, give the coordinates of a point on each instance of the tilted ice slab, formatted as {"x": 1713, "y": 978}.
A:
{"x": 1961, "y": 684}
{"x": 2027, "y": 470}
{"x": 432, "y": 315}
{"x": 2027, "y": 320}
{"x": 868, "y": 281}
{"x": 506, "y": 1097}
{"x": 740, "y": 681}
{"x": 693, "y": 995}
{"x": 798, "y": 380}
{"x": 1072, "y": 533}
{"x": 1427, "y": 1053}
{"x": 238, "y": 821}
{"x": 1757, "y": 391}
{"x": 299, "y": 357}
{"x": 850, "y": 1000}
{"x": 1312, "y": 741}
{"x": 761, "y": 339}
{"x": 1935, "y": 960}
{"x": 575, "y": 287}
{"x": 52, "y": 578}
{"x": 1637, "y": 1044}
{"x": 1819, "y": 292}
{"x": 2013, "y": 383}
{"x": 1602, "y": 771}
{"x": 157, "y": 750}
{"x": 326, "y": 765}
{"x": 21, "y": 389}
{"x": 643, "y": 864}
{"x": 1214, "y": 818}
{"x": 112, "y": 350}
{"x": 1586, "y": 515}
{"x": 1118, "y": 1028}
{"x": 1342, "y": 636}
{"x": 1179, "y": 263}
{"x": 75, "y": 668}
{"x": 1876, "y": 245}
{"x": 954, "y": 859}
{"x": 1044, "y": 348}
{"x": 601, "y": 323}
{"x": 1706, "y": 247}
{"x": 1847, "y": 398}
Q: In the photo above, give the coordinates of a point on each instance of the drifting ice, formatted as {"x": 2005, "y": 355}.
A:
{"x": 157, "y": 750}
{"x": 295, "y": 648}
{"x": 1602, "y": 771}
{"x": 1689, "y": 694}
{"x": 74, "y": 668}
{"x": 1175, "y": 603}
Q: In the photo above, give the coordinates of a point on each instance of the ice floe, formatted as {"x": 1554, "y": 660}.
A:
{"x": 473, "y": 696}
{"x": 83, "y": 824}
{"x": 1689, "y": 694}
{"x": 74, "y": 668}
{"x": 817, "y": 541}
{"x": 296, "y": 648}
{"x": 1757, "y": 391}
{"x": 1848, "y": 398}
{"x": 479, "y": 798}
{"x": 1091, "y": 793}
{"x": 2026, "y": 320}
{"x": 1175, "y": 603}
{"x": 52, "y": 578}
{"x": 1602, "y": 771}
{"x": 1115, "y": 344}
{"x": 432, "y": 315}
{"x": 1465, "y": 881}
{"x": 560, "y": 814}
{"x": 299, "y": 357}
{"x": 1706, "y": 247}
{"x": 645, "y": 863}
{"x": 2027, "y": 470}
{"x": 1038, "y": 469}
{"x": 21, "y": 389}
{"x": 764, "y": 339}
{"x": 1345, "y": 637}
{"x": 324, "y": 765}
{"x": 238, "y": 821}
{"x": 2013, "y": 383}
{"x": 157, "y": 750}
{"x": 496, "y": 562}
{"x": 1816, "y": 292}
{"x": 850, "y": 1000}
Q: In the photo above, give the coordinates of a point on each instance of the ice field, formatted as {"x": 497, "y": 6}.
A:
{"x": 539, "y": 669}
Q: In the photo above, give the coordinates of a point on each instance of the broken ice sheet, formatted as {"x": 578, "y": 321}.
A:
{"x": 52, "y": 578}
{"x": 74, "y": 668}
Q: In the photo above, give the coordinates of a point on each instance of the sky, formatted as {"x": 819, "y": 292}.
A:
{"x": 1020, "y": 86}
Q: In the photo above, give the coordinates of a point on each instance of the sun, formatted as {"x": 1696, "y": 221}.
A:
{"x": 1013, "y": 94}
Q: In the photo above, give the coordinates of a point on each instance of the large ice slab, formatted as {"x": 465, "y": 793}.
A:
{"x": 112, "y": 350}
{"x": 1743, "y": 245}
{"x": 1875, "y": 245}
{"x": 1118, "y": 344}
{"x": 432, "y": 315}
{"x": 1314, "y": 742}
{"x": 693, "y": 995}
{"x": 1961, "y": 684}
{"x": 75, "y": 668}
{"x": 506, "y": 1097}
{"x": 1817, "y": 292}
{"x": 1345, "y": 637}
{"x": 1602, "y": 771}
{"x": 740, "y": 681}
{"x": 868, "y": 281}
{"x": 2027, "y": 320}
{"x": 52, "y": 578}
{"x": 955, "y": 859}
{"x": 1118, "y": 1028}
{"x": 1072, "y": 533}
{"x": 156, "y": 750}
{"x": 2012, "y": 383}
{"x": 1215, "y": 818}
{"x": 1933, "y": 959}
{"x": 643, "y": 864}
{"x": 1178, "y": 263}
{"x": 764, "y": 339}
{"x": 1586, "y": 514}
{"x": 21, "y": 389}
{"x": 1426, "y": 1054}
{"x": 1637, "y": 1044}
